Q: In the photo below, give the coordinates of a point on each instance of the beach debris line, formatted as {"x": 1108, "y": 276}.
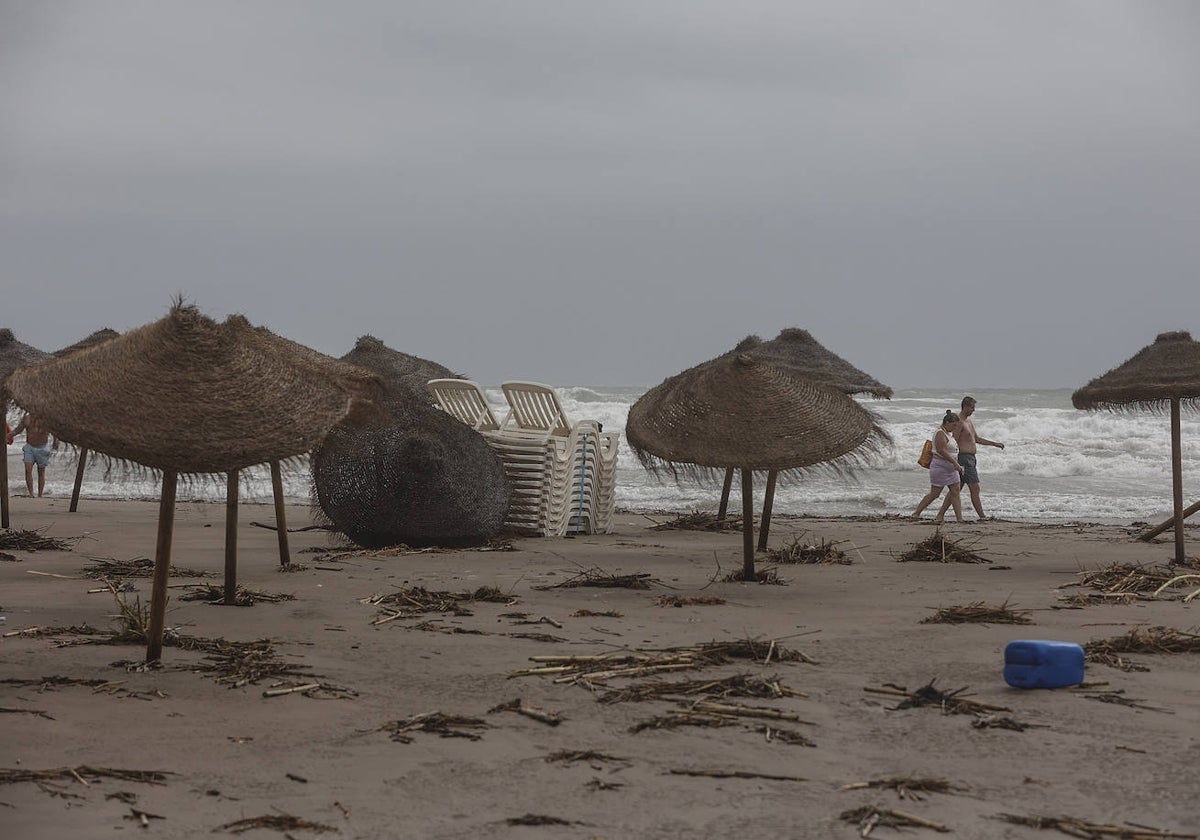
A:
{"x": 1076, "y": 827}
{"x": 436, "y": 723}
{"x": 411, "y": 601}
{"x": 20, "y": 540}
{"x": 494, "y": 544}
{"x": 597, "y": 577}
{"x": 1157, "y": 639}
{"x": 938, "y": 548}
{"x": 1119, "y": 583}
{"x": 699, "y": 520}
{"x": 590, "y": 756}
{"x": 907, "y": 787}
{"x": 950, "y": 702}
{"x": 802, "y": 549}
{"x": 517, "y": 705}
{"x": 275, "y": 822}
{"x": 107, "y": 569}
{"x": 1118, "y": 698}
{"x": 869, "y": 817}
{"x": 49, "y": 781}
{"x": 245, "y": 597}
{"x": 735, "y": 774}
{"x": 978, "y": 613}
{"x": 689, "y": 601}
{"x": 739, "y": 685}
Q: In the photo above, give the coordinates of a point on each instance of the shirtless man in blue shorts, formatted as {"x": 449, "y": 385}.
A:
{"x": 36, "y": 451}
{"x": 968, "y": 441}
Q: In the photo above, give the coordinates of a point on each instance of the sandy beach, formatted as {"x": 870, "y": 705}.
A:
{"x": 336, "y": 759}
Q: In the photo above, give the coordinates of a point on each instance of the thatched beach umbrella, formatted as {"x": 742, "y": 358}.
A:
{"x": 743, "y": 413}
{"x": 796, "y": 350}
{"x": 1165, "y": 373}
{"x": 186, "y": 395}
{"x": 98, "y": 337}
{"x": 421, "y": 479}
{"x": 404, "y": 376}
{"x": 13, "y": 354}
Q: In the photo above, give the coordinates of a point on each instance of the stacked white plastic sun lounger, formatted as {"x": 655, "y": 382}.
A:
{"x": 563, "y": 474}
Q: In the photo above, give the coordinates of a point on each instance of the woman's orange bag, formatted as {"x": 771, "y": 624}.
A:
{"x": 926, "y": 454}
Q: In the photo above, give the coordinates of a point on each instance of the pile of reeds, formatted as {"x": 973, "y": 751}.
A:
{"x": 1122, "y": 582}
{"x": 938, "y": 548}
{"x": 950, "y": 702}
{"x": 689, "y": 601}
{"x": 1140, "y": 640}
{"x": 107, "y": 569}
{"x": 84, "y": 774}
{"x": 700, "y": 520}
{"x": 978, "y": 613}
{"x": 1076, "y": 827}
{"x": 213, "y": 594}
{"x": 16, "y": 539}
{"x": 740, "y": 685}
{"x": 237, "y": 664}
{"x": 411, "y": 601}
{"x": 910, "y": 788}
{"x": 767, "y": 575}
{"x": 800, "y": 550}
{"x": 597, "y": 577}
{"x": 275, "y": 822}
{"x": 869, "y": 817}
{"x": 436, "y": 723}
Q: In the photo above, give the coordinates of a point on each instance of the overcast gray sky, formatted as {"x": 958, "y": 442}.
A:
{"x": 960, "y": 194}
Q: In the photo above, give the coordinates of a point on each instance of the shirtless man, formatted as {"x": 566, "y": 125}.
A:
{"x": 36, "y": 451}
{"x": 968, "y": 441}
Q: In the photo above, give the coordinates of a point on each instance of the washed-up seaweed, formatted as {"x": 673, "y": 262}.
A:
{"x": 1156, "y": 640}
{"x": 907, "y": 787}
{"x": 700, "y": 521}
{"x": 213, "y": 594}
{"x": 597, "y": 577}
{"x": 740, "y": 685}
{"x": 978, "y": 613}
{"x": 938, "y": 548}
{"x": 19, "y": 540}
{"x": 1094, "y": 831}
{"x": 811, "y": 552}
{"x": 950, "y": 702}
{"x": 108, "y": 569}
{"x": 275, "y": 822}
{"x": 436, "y": 723}
{"x": 870, "y": 817}
{"x": 689, "y": 601}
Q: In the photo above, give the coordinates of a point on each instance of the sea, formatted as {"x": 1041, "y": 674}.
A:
{"x": 1059, "y": 464}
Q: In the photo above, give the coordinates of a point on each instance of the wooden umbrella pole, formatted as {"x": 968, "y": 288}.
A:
{"x": 748, "y": 525}
{"x": 231, "y": 523}
{"x": 1177, "y": 479}
{"x": 768, "y": 502}
{"x": 4, "y": 468}
{"x": 162, "y": 568}
{"x": 83, "y": 453}
{"x": 721, "y": 511}
{"x": 280, "y": 514}
{"x": 1167, "y": 523}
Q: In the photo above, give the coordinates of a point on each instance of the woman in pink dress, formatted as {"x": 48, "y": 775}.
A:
{"x": 944, "y": 470}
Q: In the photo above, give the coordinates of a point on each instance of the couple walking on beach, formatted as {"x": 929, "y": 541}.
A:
{"x": 954, "y": 447}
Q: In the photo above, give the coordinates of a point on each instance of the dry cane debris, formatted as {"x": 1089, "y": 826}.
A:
{"x": 1118, "y": 698}
{"x": 699, "y": 521}
{"x": 1122, "y": 582}
{"x": 13, "y": 538}
{"x": 800, "y": 550}
{"x": 591, "y": 614}
{"x": 950, "y": 702}
{"x": 107, "y": 569}
{"x": 766, "y": 575}
{"x": 694, "y": 601}
{"x": 275, "y": 822}
{"x": 869, "y": 817}
{"x": 518, "y": 706}
{"x": 784, "y": 736}
{"x": 939, "y": 548}
{"x": 538, "y": 819}
{"x": 979, "y": 613}
{"x": 597, "y": 577}
{"x": 909, "y": 788}
{"x": 1140, "y": 640}
{"x": 437, "y": 723}
{"x": 409, "y": 602}
{"x": 741, "y": 685}
{"x": 1004, "y": 722}
{"x": 213, "y": 594}
{"x": 1094, "y": 831}
{"x": 48, "y": 780}
{"x": 571, "y": 756}
{"x": 736, "y": 774}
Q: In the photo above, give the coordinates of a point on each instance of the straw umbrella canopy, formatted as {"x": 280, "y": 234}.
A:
{"x": 748, "y": 414}
{"x": 1161, "y": 375}
{"x": 13, "y": 354}
{"x": 798, "y": 351}
{"x": 186, "y": 395}
{"x": 422, "y": 479}
{"x": 404, "y": 376}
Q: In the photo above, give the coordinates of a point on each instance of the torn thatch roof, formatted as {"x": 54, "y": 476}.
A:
{"x": 98, "y": 337}
{"x": 423, "y": 479}
{"x": 188, "y": 395}
{"x": 16, "y": 354}
{"x": 796, "y": 349}
{"x": 1158, "y": 373}
{"x": 404, "y": 376}
{"x": 746, "y": 413}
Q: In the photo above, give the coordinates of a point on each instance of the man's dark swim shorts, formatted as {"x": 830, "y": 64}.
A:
{"x": 970, "y": 471}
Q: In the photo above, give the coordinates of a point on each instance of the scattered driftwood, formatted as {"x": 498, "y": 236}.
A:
{"x": 1095, "y": 831}
{"x": 18, "y": 540}
{"x": 1118, "y": 698}
{"x": 108, "y": 569}
{"x": 741, "y": 685}
{"x": 409, "y": 602}
{"x": 689, "y": 601}
{"x": 1140, "y": 640}
{"x": 950, "y": 702}
{"x": 807, "y": 551}
{"x": 597, "y": 577}
{"x": 39, "y": 631}
{"x": 869, "y": 817}
{"x": 938, "y": 548}
{"x": 275, "y": 822}
{"x": 591, "y": 614}
{"x": 735, "y": 774}
{"x": 979, "y": 613}
{"x": 518, "y": 706}
{"x": 1089, "y": 599}
{"x": 758, "y": 650}
{"x": 537, "y": 819}
{"x": 699, "y": 521}
{"x": 766, "y": 575}
{"x": 909, "y": 788}
{"x": 83, "y": 774}
{"x": 1122, "y": 582}
{"x": 436, "y": 723}
{"x": 571, "y": 756}
{"x": 675, "y": 718}
{"x": 213, "y": 594}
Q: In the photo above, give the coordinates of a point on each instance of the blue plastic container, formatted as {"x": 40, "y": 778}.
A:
{"x": 1043, "y": 664}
